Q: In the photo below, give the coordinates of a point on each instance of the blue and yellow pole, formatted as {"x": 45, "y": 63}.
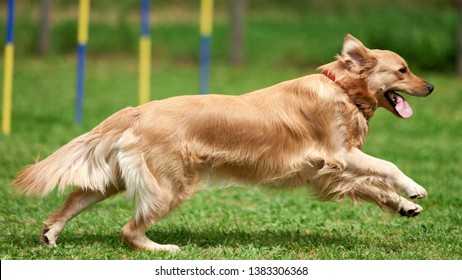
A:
{"x": 145, "y": 54}
{"x": 206, "y": 22}
{"x": 82, "y": 38}
{"x": 8, "y": 71}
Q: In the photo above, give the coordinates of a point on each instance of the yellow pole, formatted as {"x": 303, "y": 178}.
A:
{"x": 8, "y": 74}
{"x": 7, "y": 89}
{"x": 144, "y": 87}
{"x": 206, "y": 17}
{"x": 84, "y": 18}
{"x": 145, "y": 69}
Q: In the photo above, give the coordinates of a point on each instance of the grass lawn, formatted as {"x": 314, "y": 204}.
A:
{"x": 234, "y": 223}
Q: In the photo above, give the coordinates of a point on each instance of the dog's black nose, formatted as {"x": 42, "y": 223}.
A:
{"x": 430, "y": 88}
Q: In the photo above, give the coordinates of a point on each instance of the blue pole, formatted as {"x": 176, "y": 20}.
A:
{"x": 206, "y": 24}
{"x": 81, "y": 57}
{"x": 82, "y": 38}
{"x": 10, "y": 24}
{"x": 204, "y": 62}
{"x": 145, "y": 10}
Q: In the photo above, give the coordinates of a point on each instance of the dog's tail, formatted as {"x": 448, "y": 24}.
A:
{"x": 87, "y": 162}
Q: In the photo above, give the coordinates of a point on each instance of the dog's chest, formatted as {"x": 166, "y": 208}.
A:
{"x": 351, "y": 124}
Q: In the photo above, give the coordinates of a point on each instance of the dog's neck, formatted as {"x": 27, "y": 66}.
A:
{"x": 360, "y": 101}
{"x": 331, "y": 76}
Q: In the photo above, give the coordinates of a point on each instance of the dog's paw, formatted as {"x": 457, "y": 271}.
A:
{"x": 411, "y": 211}
{"x": 47, "y": 238}
{"x": 167, "y": 248}
{"x": 155, "y": 247}
{"x": 411, "y": 189}
{"x": 417, "y": 192}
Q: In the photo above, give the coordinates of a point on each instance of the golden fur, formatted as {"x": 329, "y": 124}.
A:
{"x": 303, "y": 132}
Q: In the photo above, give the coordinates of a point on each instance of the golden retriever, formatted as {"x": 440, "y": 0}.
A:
{"x": 303, "y": 132}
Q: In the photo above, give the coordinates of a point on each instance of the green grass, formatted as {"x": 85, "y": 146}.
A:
{"x": 234, "y": 223}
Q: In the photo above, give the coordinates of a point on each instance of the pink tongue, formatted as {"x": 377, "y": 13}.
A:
{"x": 402, "y": 107}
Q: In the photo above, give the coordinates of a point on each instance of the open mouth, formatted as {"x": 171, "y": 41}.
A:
{"x": 400, "y": 105}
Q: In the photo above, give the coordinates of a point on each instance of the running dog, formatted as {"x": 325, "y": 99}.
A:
{"x": 303, "y": 132}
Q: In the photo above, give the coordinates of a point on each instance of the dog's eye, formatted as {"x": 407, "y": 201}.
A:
{"x": 403, "y": 70}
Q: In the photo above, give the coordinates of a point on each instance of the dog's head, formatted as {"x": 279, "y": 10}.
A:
{"x": 384, "y": 72}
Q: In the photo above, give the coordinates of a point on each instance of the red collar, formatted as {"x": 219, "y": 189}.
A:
{"x": 331, "y": 76}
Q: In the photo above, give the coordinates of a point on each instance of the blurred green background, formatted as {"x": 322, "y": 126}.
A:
{"x": 291, "y": 32}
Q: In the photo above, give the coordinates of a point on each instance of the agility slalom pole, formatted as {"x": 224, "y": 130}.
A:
{"x": 8, "y": 70}
{"x": 206, "y": 22}
{"x": 145, "y": 54}
{"x": 82, "y": 38}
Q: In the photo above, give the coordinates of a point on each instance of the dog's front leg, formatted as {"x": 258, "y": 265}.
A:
{"x": 386, "y": 174}
{"x": 366, "y": 164}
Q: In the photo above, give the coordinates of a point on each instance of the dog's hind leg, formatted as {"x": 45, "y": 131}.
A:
{"x": 157, "y": 187}
{"x": 134, "y": 235}
{"x": 75, "y": 203}
{"x": 149, "y": 211}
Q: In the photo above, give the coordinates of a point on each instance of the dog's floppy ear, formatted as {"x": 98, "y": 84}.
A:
{"x": 355, "y": 53}
{"x": 355, "y": 58}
